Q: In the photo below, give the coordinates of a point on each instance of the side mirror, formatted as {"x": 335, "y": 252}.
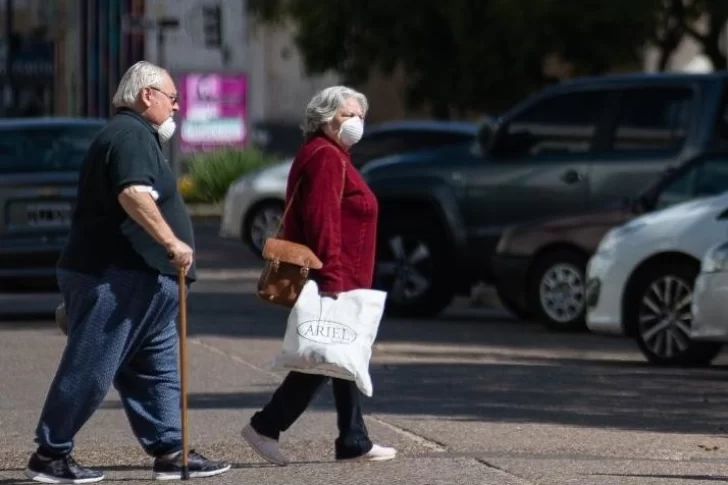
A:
{"x": 486, "y": 129}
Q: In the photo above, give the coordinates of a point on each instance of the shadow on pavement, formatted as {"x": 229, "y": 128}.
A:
{"x": 587, "y": 395}
{"x": 246, "y": 316}
{"x": 708, "y": 478}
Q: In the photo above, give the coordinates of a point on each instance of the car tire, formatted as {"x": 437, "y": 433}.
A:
{"x": 512, "y": 306}
{"x": 261, "y": 223}
{"x": 556, "y": 290}
{"x": 413, "y": 268}
{"x": 644, "y": 312}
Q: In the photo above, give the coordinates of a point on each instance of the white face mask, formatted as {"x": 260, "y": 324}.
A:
{"x": 166, "y": 129}
{"x": 351, "y": 131}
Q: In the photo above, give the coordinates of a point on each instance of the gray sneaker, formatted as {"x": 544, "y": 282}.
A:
{"x": 266, "y": 447}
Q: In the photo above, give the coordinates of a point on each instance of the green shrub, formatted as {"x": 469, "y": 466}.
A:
{"x": 211, "y": 173}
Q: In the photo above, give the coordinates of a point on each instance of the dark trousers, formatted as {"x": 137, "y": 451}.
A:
{"x": 293, "y": 397}
{"x": 121, "y": 331}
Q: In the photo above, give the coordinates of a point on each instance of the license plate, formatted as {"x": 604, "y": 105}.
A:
{"x": 48, "y": 215}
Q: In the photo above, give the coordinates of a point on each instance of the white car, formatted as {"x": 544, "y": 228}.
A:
{"x": 710, "y": 298}
{"x": 640, "y": 280}
{"x": 254, "y": 203}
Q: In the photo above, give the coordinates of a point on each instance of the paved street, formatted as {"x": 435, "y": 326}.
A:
{"x": 473, "y": 397}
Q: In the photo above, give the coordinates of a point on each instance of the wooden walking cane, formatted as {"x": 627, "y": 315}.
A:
{"x": 182, "y": 280}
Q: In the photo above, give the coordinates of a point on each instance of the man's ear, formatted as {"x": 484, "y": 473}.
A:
{"x": 146, "y": 97}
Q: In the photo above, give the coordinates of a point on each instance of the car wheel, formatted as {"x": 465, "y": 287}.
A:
{"x": 557, "y": 290}
{"x": 261, "y": 224}
{"x": 660, "y": 313}
{"x": 413, "y": 269}
{"x": 512, "y": 306}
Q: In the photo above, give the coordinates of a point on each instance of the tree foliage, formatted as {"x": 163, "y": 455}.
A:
{"x": 483, "y": 55}
{"x": 683, "y": 18}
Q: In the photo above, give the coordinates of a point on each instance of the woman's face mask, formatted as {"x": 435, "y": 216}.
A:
{"x": 351, "y": 131}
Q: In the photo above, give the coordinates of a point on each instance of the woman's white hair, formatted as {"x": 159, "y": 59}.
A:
{"x": 141, "y": 75}
{"x": 322, "y": 107}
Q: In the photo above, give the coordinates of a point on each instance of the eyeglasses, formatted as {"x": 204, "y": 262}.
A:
{"x": 174, "y": 98}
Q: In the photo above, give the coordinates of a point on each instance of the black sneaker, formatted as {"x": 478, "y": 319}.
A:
{"x": 198, "y": 465}
{"x": 60, "y": 470}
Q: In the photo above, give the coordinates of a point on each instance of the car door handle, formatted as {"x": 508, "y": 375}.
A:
{"x": 571, "y": 176}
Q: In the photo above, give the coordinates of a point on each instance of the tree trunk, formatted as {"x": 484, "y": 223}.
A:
{"x": 712, "y": 50}
{"x": 711, "y": 43}
{"x": 667, "y": 46}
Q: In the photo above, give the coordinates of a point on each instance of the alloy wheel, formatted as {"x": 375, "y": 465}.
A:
{"x": 665, "y": 318}
{"x": 561, "y": 293}
{"x": 264, "y": 225}
{"x": 405, "y": 268}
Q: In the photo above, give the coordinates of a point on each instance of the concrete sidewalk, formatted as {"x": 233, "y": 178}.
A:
{"x": 469, "y": 398}
{"x": 225, "y": 391}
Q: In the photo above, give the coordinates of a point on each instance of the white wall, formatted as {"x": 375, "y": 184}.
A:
{"x": 184, "y": 47}
{"x": 279, "y": 89}
{"x": 282, "y": 88}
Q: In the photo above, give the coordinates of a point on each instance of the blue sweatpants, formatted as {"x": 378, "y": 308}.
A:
{"x": 121, "y": 331}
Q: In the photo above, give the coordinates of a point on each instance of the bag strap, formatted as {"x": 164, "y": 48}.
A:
{"x": 295, "y": 191}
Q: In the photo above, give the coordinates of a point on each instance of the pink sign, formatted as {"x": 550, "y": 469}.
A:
{"x": 213, "y": 111}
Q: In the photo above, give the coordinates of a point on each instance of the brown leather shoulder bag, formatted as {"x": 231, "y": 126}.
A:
{"x": 287, "y": 264}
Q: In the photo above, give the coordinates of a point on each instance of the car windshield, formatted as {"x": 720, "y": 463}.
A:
{"x": 45, "y": 149}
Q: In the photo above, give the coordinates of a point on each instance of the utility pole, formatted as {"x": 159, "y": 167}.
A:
{"x": 164, "y": 24}
{"x": 8, "y": 91}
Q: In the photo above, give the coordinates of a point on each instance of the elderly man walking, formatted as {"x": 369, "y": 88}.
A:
{"x": 129, "y": 237}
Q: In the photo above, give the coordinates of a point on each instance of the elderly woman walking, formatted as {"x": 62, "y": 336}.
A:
{"x": 335, "y": 214}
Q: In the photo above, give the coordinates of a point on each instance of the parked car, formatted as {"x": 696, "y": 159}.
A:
{"x": 572, "y": 147}
{"x": 39, "y": 163}
{"x": 539, "y": 266}
{"x": 639, "y": 282}
{"x": 254, "y": 203}
{"x": 710, "y": 298}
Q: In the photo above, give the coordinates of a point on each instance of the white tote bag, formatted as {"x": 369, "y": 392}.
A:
{"x": 333, "y": 336}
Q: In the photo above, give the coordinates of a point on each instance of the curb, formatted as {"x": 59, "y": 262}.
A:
{"x": 205, "y": 211}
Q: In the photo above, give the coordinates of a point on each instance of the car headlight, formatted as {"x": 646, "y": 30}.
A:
{"x": 715, "y": 259}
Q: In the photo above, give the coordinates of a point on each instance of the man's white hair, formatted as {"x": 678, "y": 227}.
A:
{"x": 141, "y": 75}
{"x": 322, "y": 107}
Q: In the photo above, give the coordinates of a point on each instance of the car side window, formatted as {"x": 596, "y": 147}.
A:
{"x": 652, "y": 119}
{"x": 704, "y": 179}
{"x": 394, "y": 142}
{"x": 373, "y": 146}
{"x": 45, "y": 149}
{"x": 563, "y": 124}
{"x": 712, "y": 177}
{"x": 676, "y": 191}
